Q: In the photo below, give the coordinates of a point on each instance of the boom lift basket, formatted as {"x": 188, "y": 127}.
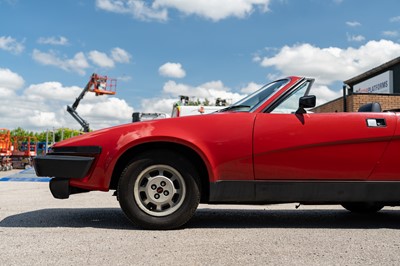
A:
{"x": 102, "y": 85}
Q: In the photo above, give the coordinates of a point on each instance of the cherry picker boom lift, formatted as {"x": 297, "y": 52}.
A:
{"x": 98, "y": 84}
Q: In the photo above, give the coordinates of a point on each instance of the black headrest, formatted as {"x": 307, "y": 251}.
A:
{"x": 370, "y": 107}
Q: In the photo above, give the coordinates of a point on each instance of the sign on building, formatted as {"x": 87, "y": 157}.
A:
{"x": 382, "y": 83}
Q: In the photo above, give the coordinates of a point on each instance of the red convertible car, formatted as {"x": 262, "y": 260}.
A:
{"x": 267, "y": 148}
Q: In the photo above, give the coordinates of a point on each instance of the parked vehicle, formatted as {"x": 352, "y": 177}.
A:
{"x": 139, "y": 116}
{"x": 185, "y": 108}
{"x": 21, "y": 162}
{"x": 263, "y": 149}
{"x": 24, "y": 150}
{"x": 42, "y": 147}
{"x": 181, "y": 108}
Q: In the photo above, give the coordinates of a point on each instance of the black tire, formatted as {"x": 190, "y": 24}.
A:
{"x": 159, "y": 190}
{"x": 363, "y": 207}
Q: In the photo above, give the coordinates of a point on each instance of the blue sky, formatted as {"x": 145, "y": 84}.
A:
{"x": 160, "y": 49}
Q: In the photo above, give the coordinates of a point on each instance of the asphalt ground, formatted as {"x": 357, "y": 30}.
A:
{"x": 90, "y": 229}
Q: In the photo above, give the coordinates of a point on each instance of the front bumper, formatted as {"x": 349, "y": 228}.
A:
{"x": 66, "y": 162}
{"x": 62, "y": 166}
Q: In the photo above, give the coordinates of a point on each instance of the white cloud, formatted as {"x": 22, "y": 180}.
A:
{"x": 79, "y": 63}
{"x": 5, "y": 93}
{"x": 251, "y": 87}
{"x": 10, "y": 80}
{"x": 137, "y": 8}
{"x": 332, "y": 63}
{"x": 390, "y": 33}
{"x": 51, "y": 91}
{"x": 108, "y": 109}
{"x": 210, "y": 90}
{"x": 353, "y": 23}
{"x": 395, "y": 19}
{"x": 120, "y": 55}
{"x": 76, "y": 64}
{"x": 101, "y": 59}
{"x": 61, "y": 40}
{"x": 16, "y": 113}
{"x": 42, "y": 119}
{"x": 324, "y": 94}
{"x": 11, "y": 45}
{"x": 175, "y": 89}
{"x": 124, "y": 78}
{"x": 355, "y": 38}
{"x": 159, "y": 105}
{"x": 214, "y": 10}
{"x": 172, "y": 70}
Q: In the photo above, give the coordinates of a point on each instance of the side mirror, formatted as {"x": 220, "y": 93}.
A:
{"x": 308, "y": 101}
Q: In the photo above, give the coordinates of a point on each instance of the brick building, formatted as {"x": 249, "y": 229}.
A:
{"x": 380, "y": 84}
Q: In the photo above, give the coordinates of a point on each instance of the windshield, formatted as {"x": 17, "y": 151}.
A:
{"x": 258, "y": 97}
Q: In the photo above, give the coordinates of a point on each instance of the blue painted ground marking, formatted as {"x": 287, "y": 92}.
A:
{"x": 24, "y": 179}
{"x": 28, "y": 175}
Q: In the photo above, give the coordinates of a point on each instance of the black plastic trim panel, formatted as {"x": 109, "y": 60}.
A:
{"x": 264, "y": 192}
{"x": 62, "y": 166}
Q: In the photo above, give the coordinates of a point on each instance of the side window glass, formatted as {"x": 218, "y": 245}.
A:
{"x": 291, "y": 103}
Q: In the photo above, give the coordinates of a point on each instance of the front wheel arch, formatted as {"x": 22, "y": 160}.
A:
{"x": 150, "y": 207}
{"x": 187, "y": 152}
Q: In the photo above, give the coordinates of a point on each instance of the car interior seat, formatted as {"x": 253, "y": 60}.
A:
{"x": 370, "y": 107}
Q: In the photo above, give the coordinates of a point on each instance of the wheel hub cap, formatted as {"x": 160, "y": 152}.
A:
{"x": 159, "y": 190}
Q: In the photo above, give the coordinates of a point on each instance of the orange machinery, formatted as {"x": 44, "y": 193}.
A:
{"x": 5, "y": 150}
{"x": 24, "y": 149}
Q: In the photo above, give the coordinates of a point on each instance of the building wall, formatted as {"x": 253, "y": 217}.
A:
{"x": 330, "y": 107}
{"x": 354, "y": 101}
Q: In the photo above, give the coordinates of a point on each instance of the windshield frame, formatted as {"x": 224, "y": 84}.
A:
{"x": 249, "y": 103}
{"x": 271, "y": 107}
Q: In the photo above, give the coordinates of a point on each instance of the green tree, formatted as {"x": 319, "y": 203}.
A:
{"x": 59, "y": 134}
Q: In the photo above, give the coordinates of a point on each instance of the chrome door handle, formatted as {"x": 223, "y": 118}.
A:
{"x": 376, "y": 122}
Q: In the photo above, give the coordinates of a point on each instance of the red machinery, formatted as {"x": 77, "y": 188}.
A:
{"x": 5, "y": 150}
{"x": 98, "y": 84}
{"x": 24, "y": 149}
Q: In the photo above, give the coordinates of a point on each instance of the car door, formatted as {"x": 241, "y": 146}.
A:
{"x": 331, "y": 146}
{"x": 291, "y": 144}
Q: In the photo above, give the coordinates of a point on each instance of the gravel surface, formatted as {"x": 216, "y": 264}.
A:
{"x": 90, "y": 229}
